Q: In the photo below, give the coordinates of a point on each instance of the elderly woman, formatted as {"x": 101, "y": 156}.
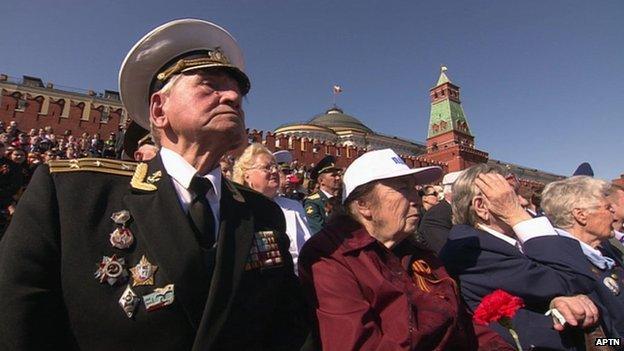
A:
{"x": 579, "y": 207}
{"x": 257, "y": 169}
{"x": 371, "y": 286}
{"x": 496, "y": 244}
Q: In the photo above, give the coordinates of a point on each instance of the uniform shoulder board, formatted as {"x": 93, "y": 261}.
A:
{"x": 103, "y": 165}
{"x": 314, "y": 196}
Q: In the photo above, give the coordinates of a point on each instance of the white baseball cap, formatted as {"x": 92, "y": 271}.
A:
{"x": 450, "y": 178}
{"x": 383, "y": 164}
{"x": 176, "y": 47}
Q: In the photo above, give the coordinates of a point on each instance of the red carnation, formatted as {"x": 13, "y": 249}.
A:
{"x": 495, "y": 306}
{"x": 499, "y": 306}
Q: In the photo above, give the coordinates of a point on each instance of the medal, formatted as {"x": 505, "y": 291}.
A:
{"x": 121, "y": 237}
{"x": 121, "y": 217}
{"x": 143, "y": 272}
{"x": 160, "y": 298}
{"x": 111, "y": 270}
{"x": 129, "y": 301}
{"x": 612, "y": 285}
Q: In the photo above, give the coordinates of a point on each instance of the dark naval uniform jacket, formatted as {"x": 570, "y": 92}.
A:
{"x": 249, "y": 299}
{"x": 549, "y": 266}
{"x": 436, "y": 224}
{"x": 314, "y": 206}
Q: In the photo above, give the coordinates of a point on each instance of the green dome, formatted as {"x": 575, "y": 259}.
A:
{"x": 337, "y": 120}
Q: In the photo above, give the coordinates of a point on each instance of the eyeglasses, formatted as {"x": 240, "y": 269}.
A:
{"x": 270, "y": 168}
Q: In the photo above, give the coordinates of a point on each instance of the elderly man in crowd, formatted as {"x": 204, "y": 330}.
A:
{"x": 165, "y": 255}
{"x": 579, "y": 207}
{"x": 371, "y": 286}
{"x": 496, "y": 244}
{"x": 138, "y": 143}
{"x": 317, "y": 204}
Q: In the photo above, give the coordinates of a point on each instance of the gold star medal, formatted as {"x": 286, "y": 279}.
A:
{"x": 143, "y": 272}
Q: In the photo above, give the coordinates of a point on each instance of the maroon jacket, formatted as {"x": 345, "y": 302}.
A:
{"x": 367, "y": 297}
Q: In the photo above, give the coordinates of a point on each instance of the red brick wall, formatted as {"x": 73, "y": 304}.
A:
{"x": 344, "y": 154}
{"x": 30, "y": 117}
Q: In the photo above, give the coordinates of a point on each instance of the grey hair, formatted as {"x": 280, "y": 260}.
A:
{"x": 464, "y": 190}
{"x": 561, "y": 197}
{"x": 166, "y": 89}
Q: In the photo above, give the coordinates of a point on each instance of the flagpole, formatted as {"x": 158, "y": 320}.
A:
{"x": 336, "y": 89}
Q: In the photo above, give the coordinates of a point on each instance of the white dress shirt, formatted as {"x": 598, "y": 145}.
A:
{"x": 525, "y": 230}
{"x": 182, "y": 173}
{"x": 296, "y": 225}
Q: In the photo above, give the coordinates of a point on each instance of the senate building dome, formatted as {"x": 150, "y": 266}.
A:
{"x": 335, "y": 126}
{"x": 336, "y": 120}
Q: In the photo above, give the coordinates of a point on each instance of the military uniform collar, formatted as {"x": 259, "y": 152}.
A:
{"x": 328, "y": 195}
{"x": 182, "y": 172}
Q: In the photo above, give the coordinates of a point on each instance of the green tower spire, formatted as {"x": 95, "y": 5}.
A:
{"x": 447, "y": 114}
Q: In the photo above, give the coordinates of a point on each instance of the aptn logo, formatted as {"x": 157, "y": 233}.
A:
{"x": 608, "y": 341}
{"x": 398, "y": 160}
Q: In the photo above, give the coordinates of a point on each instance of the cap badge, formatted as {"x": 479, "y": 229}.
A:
{"x": 214, "y": 57}
{"x": 143, "y": 272}
{"x": 160, "y": 298}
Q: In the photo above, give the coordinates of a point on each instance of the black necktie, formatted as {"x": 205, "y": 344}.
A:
{"x": 202, "y": 219}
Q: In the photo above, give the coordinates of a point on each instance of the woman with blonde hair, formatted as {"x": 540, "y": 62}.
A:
{"x": 257, "y": 169}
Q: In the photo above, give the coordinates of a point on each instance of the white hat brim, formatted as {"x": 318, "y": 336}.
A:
{"x": 424, "y": 175}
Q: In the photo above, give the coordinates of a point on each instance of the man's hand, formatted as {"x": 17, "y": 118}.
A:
{"x": 501, "y": 199}
{"x": 577, "y": 310}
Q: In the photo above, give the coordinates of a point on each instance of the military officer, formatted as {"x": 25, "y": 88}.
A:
{"x": 138, "y": 143}
{"x": 316, "y": 204}
{"x": 164, "y": 255}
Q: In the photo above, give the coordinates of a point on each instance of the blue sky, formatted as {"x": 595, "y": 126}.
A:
{"x": 542, "y": 81}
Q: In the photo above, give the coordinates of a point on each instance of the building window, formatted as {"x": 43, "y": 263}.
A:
{"x": 338, "y": 153}
{"x": 105, "y": 115}
{"x": 21, "y": 105}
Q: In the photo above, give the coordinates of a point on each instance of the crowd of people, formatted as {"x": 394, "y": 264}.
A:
{"x": 22, "y": 151}
{"x": 190, "y": 248}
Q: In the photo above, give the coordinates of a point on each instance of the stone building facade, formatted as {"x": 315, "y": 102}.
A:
{"x": 34, "y": 105}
